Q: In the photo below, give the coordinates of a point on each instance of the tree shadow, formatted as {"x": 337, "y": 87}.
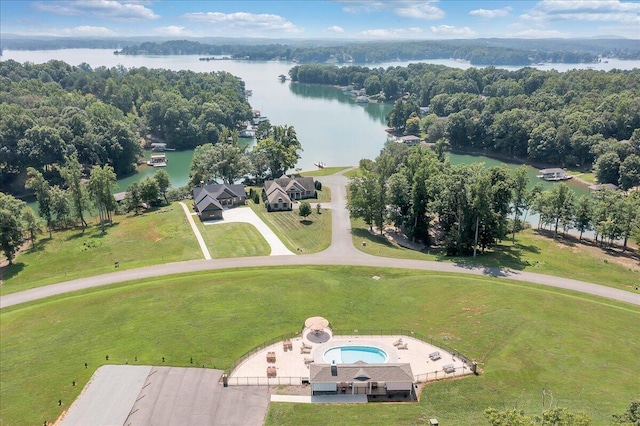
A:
{"x": 367, "y": 236}
{"x": 495, "y": 263}
{"x": 306, "y": 222}
{"x": 9, "y": 271}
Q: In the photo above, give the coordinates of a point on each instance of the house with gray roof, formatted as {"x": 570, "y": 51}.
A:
{"x": 209, "y": 201}
{"x": 280, "y": 193}
{"x": 361, "y": 378}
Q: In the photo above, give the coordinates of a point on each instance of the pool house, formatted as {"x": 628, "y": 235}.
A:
{"x": 360, "y": 378}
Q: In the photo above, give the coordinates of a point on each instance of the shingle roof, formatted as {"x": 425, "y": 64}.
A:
{"x": 206, "y": 202}
{"x": 361, "y": 371}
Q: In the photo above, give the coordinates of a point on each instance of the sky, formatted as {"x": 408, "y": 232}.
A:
{"x": 326, "y": 19}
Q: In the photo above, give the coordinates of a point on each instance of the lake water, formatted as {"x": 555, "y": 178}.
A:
{"x": 331, "y": 127}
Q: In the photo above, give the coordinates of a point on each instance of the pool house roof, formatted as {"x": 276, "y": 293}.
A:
{"x": 360, "y": 371}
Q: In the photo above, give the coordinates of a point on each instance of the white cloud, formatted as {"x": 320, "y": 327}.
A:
{"x": 534, "y": 33}
{"x": 491, "y": 13}
{"x": 172, "y": 30}
{"x": 585, "y": 10}
{"x": 83, "y": 30}
{"x": 449, "y": 30}
{"x": 411, "y": 9}
{"x": 390, "y": 33}
{"x": 104, "y": 9}
{"x": 334, "y": 29}
{"x": 245, "y": 20}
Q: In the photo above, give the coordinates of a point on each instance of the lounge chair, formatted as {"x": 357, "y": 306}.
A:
{"x": 271, "y": 357}
{"x": 403, "y": 346}
{"x": 449, "y": 368}
{"x": 434, "y": 356}
{"x": 305, "y": 350}
{"x": 398, "y": 342}
{"x": 304, "y": 345}
{"x": 308, "y": 360}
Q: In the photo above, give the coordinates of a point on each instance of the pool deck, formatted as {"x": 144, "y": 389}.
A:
{"x": 292, "y": 367}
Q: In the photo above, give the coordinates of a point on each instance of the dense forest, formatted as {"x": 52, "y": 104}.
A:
{"x": 469, "y": 208}
{"x": 53, "y": 111}
{"x": 477, "y": 52}
{"x": 578, "y": 118}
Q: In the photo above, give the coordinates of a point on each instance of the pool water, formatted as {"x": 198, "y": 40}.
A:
{"x": 353, "y": 354}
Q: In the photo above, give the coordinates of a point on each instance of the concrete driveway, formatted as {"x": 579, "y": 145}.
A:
{"x": 246, "y": 215}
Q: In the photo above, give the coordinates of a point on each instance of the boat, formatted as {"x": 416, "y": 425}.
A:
{"x": 320, "y": 165}
{"x": 282, "y": 77}
{"x": 160, "y": 147}
{"x": 158, "y": 160}
{"x": 362, "y": 100}
{"x": 554, "y": 175}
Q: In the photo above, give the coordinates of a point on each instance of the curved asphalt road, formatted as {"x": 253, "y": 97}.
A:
{"x": 341, "y": 253}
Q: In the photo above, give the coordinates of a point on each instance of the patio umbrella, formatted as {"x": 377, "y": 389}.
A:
{"x": 316, "y": 323}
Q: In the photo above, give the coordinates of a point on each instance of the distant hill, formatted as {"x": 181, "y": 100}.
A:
{"x": 488, "y": 51}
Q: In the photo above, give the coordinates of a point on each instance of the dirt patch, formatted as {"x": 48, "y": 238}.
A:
{"x": 398, "y": 237}
{"x": 304, "y": 390}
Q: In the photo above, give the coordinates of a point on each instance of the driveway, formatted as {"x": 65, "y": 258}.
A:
{"x": 246, "y": 215}
{"x": 341, "y": 252}
{"x": 145, "y": 395}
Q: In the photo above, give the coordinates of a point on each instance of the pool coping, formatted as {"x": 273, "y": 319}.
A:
{"x": 338, "y": 341}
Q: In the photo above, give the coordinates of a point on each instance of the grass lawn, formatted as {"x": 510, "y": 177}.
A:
{"x": 233, "y": 240}
{"x": 532, "y": 252}
{"x": 324, "y": 172}
{"x": 134, "y": 241}
{"x": 525, "y": 338}
{"x": 585, "y": 176}
{"x": 300, "y": 235}
{"x": 353, "y": 173}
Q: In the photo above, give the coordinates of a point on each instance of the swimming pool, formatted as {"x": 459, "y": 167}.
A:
{"x": 353, "y": 354}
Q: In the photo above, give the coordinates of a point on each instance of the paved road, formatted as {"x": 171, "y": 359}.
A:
{"x": 341, "y": 252}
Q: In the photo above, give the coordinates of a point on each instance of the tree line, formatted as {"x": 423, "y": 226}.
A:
{"x": 579, "y": 118}
{"x": 466, "y": 208}
{"x": 477, "y": 52}
{"x": 55, "y": 110}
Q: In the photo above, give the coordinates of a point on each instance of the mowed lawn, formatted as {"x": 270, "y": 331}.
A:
{"x": 233, "y": 240}
{"x": 531, "y": 252}
{"x": 158, "y": 236}
{"x": 326, "y": 171}
{"x": 525, "y": 338}
{"x": 301, "y": 235}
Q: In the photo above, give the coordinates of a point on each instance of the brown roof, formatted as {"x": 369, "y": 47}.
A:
{"x": 362, "y": 372}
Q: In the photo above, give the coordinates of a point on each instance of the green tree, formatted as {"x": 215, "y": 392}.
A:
{"x": 60, "y": 207}
{"x": 12, "y": 228}
{"x": 630, "y": 172}
{"x": 133, "y": 198}
{"x": 364, "y": 195}
{"x": 100, "y": 185}
{"x": 164, "y": 183}
{"x": 519, "y": 184}
{"x": 37, "y": 182}
{"x": 583, "y": 215}
{"x": 512, "y": 417}
{"x": 149, "y": 190}
{"x": 71, "y": 172}
{"x": 31, "y": 224}
{"x": 305, "y": 209}
{"x": 631, "y": 416}
{"x": 607, "y": 168}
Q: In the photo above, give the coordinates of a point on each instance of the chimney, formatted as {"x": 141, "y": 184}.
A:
{"x": 334, "y": 368}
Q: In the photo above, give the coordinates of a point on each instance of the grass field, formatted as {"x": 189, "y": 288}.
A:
{"x": 589, "y": 177}
{"x": 532, "y": 252}
{"x": 233, "y": 240}
{"x": 525, "y": 338}
{"x": 158, "y": 236}
{"x": 324, "y": 172}
{"x": 300, "y": 235}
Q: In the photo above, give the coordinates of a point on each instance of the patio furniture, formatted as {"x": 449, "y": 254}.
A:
{"x": 287, "y": 345}
{"x": 434, "y": 356}
{"x": 449, "y": 368}
{"x": 305, "y": 350}
{"x": 398, "y": 342}
{"x": 308, "y": 360}
{"x": 304, "y": 345}
{"x": 271, "y": 357}
{"x": 403, "y": 346}
{"x": 271, "y": 372}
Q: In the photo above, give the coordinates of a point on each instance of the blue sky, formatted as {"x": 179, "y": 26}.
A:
{"x": 344, "y": 19}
